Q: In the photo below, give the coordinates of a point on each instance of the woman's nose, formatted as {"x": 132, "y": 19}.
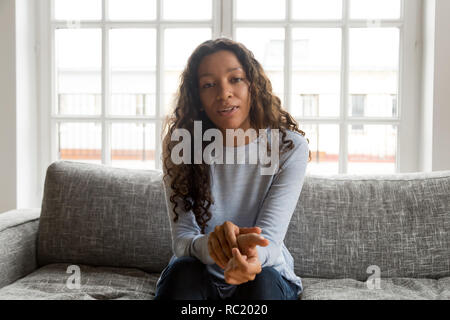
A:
{"x": 225, "y": 92}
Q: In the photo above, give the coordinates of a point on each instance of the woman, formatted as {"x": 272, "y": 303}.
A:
{"x": 228, "y": 221}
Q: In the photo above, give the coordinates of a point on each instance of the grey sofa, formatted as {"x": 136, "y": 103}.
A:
{"x": 103, "y": 233}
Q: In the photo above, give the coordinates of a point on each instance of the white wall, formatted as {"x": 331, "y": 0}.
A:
{"x": 8, "y": 138}
{"x": 441, "y": 113}
{"x": 27, "y": 105}
{"x": 18, "y": 106}
{"x": 435, "y": 111}
{"x": 19, "y": 126}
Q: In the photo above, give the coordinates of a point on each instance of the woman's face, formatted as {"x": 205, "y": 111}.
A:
{"x": 223, "y": 85}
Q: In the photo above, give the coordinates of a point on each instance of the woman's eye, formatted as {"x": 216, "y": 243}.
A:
{"x": 209, "y": 85}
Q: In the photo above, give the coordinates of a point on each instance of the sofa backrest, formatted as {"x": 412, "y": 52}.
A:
{"x": 395, "y": 225}
{"x": 342, "y": 225}
{"x": 99, "y": 215}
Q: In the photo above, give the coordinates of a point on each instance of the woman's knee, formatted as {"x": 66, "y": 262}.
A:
{"x": 181, "y": 279}
{"x": 267, "y": 277}
{"x": 183, "y": 266}
{"x": 267, "y": 285}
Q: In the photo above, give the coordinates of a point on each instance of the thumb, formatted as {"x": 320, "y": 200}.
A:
{"x": 239, "y": 258}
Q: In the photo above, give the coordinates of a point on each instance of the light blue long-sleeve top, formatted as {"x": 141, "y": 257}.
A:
{"x": 247, "y": 198}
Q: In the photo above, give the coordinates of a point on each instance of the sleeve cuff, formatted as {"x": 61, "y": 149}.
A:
{"x": 200, "y": 249}
{"x": 262, "y": 255}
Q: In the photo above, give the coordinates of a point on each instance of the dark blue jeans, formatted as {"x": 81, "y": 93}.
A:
{"x": 187, "y": 278}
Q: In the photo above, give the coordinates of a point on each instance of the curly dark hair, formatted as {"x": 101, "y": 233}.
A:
{"x": 190, "y": 183}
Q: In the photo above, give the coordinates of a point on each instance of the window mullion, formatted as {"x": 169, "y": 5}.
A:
{"x": 106, "y": 132}
{"x": 159, "y": 83}
{"x": 227, "y": 27}
{"x": 288, "y": 59}
{"x": 343, "y": 127}
{"x": 217, "y": 17}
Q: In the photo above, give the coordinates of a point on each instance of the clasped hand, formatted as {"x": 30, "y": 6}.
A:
{"x": 234, "y": 250}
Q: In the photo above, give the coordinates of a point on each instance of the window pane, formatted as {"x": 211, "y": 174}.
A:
{"x": 316, "y": 9}
{"x": 316, "y": 75}
{"x": 324, "y": 147}
{"x": 175, "y": 60}
{"x": 78, "y": 71}
{"x": 187, "y": 10}
{"x": 132, "y": 9}
{"x": 78, "y": 9}
{"x": 372, "y": 148}
{"x": 260, "y": 9}
{"x": 375, "y": 9}
{"x": 133, "y": 145}
{"x": 133, "y": 71}
{"x": 267, "y": 45}
{"x": 80, "y": 141}
{"x": 374, "y": 56}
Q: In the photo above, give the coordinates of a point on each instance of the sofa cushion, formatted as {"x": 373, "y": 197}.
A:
{"x": 18, "y": 233}
{"x": 350, "y": 289}
{"x": 103, "y": 216}
{"x": 400, "y": 223}
{"x": 444, "y": 288}
{"x": 50, "y": 282}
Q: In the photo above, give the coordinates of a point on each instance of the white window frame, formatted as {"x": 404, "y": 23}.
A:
{"x": 408, "y": 77}
{"x": 223, "y": 23}
{"x": 49, "y": 118}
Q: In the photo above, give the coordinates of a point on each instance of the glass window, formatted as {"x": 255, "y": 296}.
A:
{"x": 175, "y": 59}
{"x": 132, "y": 9}
{"x": 78, "y": 9}
{"x": 187, "y": 10}
{"x": 316, "y": 9}
{"x": 80, "y": 141}
{"x": 373, "y": 63}
{"x": 324, "y": 147}
{"x": 375, "y": 9}
{"x": 78, "y": 60}
{"x": 134, "y": 81}
{"x": 372, "y": 149}
{"x": 133, "y": 145}
{"x": 260, "y": 9}
{"x": 133, "y": 71}
{"x": 316, "y": 69}
{"x": 267, "y": 44}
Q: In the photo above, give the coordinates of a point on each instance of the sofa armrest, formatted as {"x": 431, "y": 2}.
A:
{"x": 18, "y": 235}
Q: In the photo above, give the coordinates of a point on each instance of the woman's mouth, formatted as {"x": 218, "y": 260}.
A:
{"x": 228, "y": 111}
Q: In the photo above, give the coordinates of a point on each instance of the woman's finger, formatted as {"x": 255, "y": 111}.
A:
{"x": 217, "y": 248}
{"x": 220, "y": 233}
{"x": 240, "y": 261}
{"x": 234, "y": 276}
{"x": 249, "y": 266}
{"x": 231, "y": 231}
{"x": 247, "y": 241}
{"x": 214, "y": 255}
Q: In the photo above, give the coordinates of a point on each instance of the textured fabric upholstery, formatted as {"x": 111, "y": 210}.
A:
{"x": 18, "y": 233}
{"x": 400, "y": 223}
{"x": 113, "y": 224}
{"x": 102, "y": 216}
{"x": 99, "y": 283}
{"x": 389, "y": 289}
